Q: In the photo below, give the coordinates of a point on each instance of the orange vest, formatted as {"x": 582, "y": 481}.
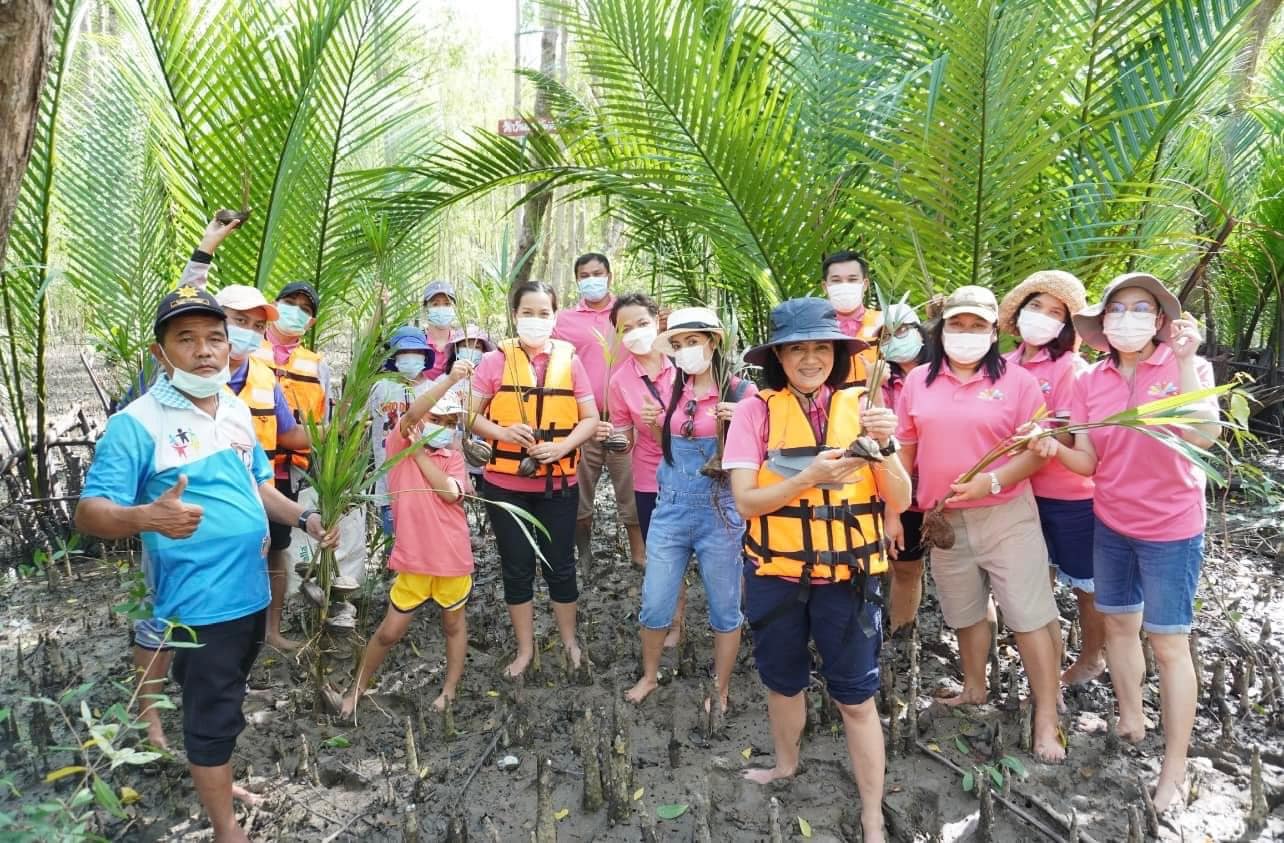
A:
{"x": 858, "y": 370}
{"x": 549, "y": 407}
{"x": 300, "y": 379}
{"x": 259, "y": 394}
{"x": 822, "y": 533}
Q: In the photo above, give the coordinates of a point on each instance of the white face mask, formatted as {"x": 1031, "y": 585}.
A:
{"x": 693, "y": 359}
{"x": 197, "y": 386}
{"x": 534, "y": 330}
{"x": 966, "y": 348}
{"x": 1037, "y": 329}
{"x": 1129, "y": 332}
{"x": 639, "y": 340}
{"x": 846, "y": 297}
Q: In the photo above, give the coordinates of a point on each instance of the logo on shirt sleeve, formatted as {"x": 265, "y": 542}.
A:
{"x": 991, "y": 394}
{"x": 1162, "y": 389}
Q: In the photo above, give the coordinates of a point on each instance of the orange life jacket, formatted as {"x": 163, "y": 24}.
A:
{"x": 823, "y": 533}
{"x": 259, "y": 394}
{"x": 300, "y": 379}
{"x": 548, "y": 406}
{"x": 858, "y": 369}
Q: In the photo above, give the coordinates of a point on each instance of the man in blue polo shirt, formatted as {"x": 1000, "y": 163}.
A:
{"x": 180, "y": 468}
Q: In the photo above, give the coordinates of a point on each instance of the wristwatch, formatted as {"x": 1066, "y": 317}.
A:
{"x": 890, "y": 448}
{"x": 302, "y": 523}
{"x": 995, "y": 486}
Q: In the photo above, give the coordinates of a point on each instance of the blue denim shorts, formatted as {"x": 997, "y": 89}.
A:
{"x": 848, "y": 657}
{"x": 680, "y": 526}
{"x": 1158, "y": 579}
{"x": 1068, "y": 530}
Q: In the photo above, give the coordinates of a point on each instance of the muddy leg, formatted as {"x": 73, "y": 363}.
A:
{"x": 1037, "y": 657}
{"x": 1091, "y": 661}
{"x": 390, "y": 631}
{"x": 974, "y": 648}
{"x": 565, "y": 615}
{"x": 652, "y": 647}
{"x": 679, "y": 618}
{"x": 865, "y": 748}
{"x": 153, "y": 667}
{"x": 1123, "y": 654}
{"x": 788, "y": 715}
{"x": 455, "y": 627}
{"x": 637, "y": 547}
{"x": 726, "y": 646}
{"x": 907, "y": 592}
{"x": 522, "y": 616}
{"x": 214, "y": 786}
{"x": 1177, "y": 701}
{"x": 277, "y": 561}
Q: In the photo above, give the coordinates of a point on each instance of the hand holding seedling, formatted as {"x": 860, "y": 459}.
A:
{"x": 215, "y": 233}
{"x": 724, "y": 410}
{"x": 829, "y": 468}
{"x": 894, "y": 533}
{"x": 462, "y": 370}
{"x": 329, "y": 538}
{"x": 172, "y": 518}
{"x": 520, "y": 434}
{"x": 604, "y": 429}
{"x": 1185, "y": 337}
{"x": 973, "y": 490}
{"x": 548, "y": 452}
{"x": 879, "y": 423}
{"x": 651, "y": 413}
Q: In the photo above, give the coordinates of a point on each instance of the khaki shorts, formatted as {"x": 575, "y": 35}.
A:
{"x": 592, "y": 457}
{"x": 1004, "y": 545}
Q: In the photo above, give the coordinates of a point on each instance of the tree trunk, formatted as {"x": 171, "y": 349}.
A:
{"x": 535, "y": 209}
{"x": 24, "y": 54}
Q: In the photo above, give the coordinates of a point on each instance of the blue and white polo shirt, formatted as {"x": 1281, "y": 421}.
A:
{"x": 219, "y": 573}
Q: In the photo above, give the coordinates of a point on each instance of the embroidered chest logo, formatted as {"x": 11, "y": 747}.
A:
{"x": 1162, "y": 389}
{"x": 1045, "y": 386}
{"x": 184, "y": 442}
{"x": 991, "y": 394}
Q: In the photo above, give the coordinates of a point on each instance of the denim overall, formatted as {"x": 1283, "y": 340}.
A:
{"x": 693, "y": 514}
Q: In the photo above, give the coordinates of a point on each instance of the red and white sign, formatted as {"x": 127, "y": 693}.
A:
{"x": 517, "y": 127}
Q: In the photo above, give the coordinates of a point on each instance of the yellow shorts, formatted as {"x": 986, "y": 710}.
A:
{"x": 410, "y": 591}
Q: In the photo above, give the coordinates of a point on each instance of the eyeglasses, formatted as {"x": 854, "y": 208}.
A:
{"x": 904, "y": 329}
{"x": 688, "y": 426}
{"x": 1117, "y": 307}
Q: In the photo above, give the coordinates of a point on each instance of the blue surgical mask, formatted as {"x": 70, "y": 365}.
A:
{"x": 593, "y": 288}
{"x": 292, "y": 320}
{"x": 438, "y": 436}
{"x": 410, "y": 365}
{"x": 472, "y": 355}
{"x": 442, "y": 316}
{"x": 903, "y": 349}
{"x": 197, "y": 386}
{"x": 243, "y": 340}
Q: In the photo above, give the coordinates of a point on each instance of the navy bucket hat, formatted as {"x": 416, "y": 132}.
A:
{"x": 804, "y": 320}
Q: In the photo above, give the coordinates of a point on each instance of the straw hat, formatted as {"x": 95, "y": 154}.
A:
{"x": 684, "y": 320}
{"x": 1062, "y": 286}
{"x": 1088, "y": 321}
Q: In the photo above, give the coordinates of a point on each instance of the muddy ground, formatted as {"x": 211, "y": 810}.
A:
{"x": 321, "y": 780}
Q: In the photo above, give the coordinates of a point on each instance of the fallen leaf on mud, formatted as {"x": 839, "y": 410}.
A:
{"x": 746, "y": 752}
{"x": 1087, "y": 772}
{"x": 637, "y": 794}
{"x": 1063, "y": 738}
{"x": 670, "y": 812}
{"x": 492, "y": 693}
{"x": 336, "y": 742}
{"x": 804, "y": 827}
{"x": 935, "y": 747}
{"x": 562, "y": 814}
{"x": 63, "y": 772}
{"x": 128, "y": 796}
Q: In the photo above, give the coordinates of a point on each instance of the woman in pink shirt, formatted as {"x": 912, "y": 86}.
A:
{"x": 951, "y": 412}
{"x": 1149, "y": 506}
{"x": 904, "y": 350}
{"x": 1038, "y": 310}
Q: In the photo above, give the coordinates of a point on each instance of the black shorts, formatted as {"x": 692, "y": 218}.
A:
{"x": 213, "y": 677}
{"x": 912, "y": 521}
{"x": 280, "y": 533}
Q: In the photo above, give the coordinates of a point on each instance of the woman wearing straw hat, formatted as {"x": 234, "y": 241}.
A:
{"x": 951, "y": 413}
{"x": 694, "y": 512}
{"x": 813, "y": 537}
{"x": 1039, "y": 311}
{"x": 1149, "y": 504}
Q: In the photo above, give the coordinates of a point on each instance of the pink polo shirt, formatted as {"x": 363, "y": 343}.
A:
{"x": 487, "y": 379}
{"x": 627, "y": 396}
{"x": 1056, "y": 380}
{"x": 433, "y": 538}
{"x": 439, "y": 353}
{"x": 586, "y": 327}
{"x": 852, "y": 324}
{"x": 954, "y": 423}
{"x": 747, "y": 437}
{"x": 706, "y": 423}
{"x": 1145, "y": 490}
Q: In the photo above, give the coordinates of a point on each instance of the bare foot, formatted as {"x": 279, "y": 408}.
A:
{"x": 724, "y": 704}
{"x": 642, "y": 690}
{"x": 573, "y": 653}
{"x": 242, "y": 795}
{"x": 156, "y": 732}
{"x": 759, "y": 775}
{"x": 1047, "y": 744}
{"x": 1166, "y": 794}
{"x": 873, "y": 827}
{"x": 1082, "y": 672}
{"x": 673, "y": 638}
{"x": 518, "y": 665}
{"x": 439, "y": 704}
{"x": 1132, "y": 731}
{"x": 280, "y": 642}
{"x": 348, "y": 706}
{"x": 968, "y": 696}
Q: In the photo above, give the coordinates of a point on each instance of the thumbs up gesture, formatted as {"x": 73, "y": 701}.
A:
{"x": 172, "y": 518}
